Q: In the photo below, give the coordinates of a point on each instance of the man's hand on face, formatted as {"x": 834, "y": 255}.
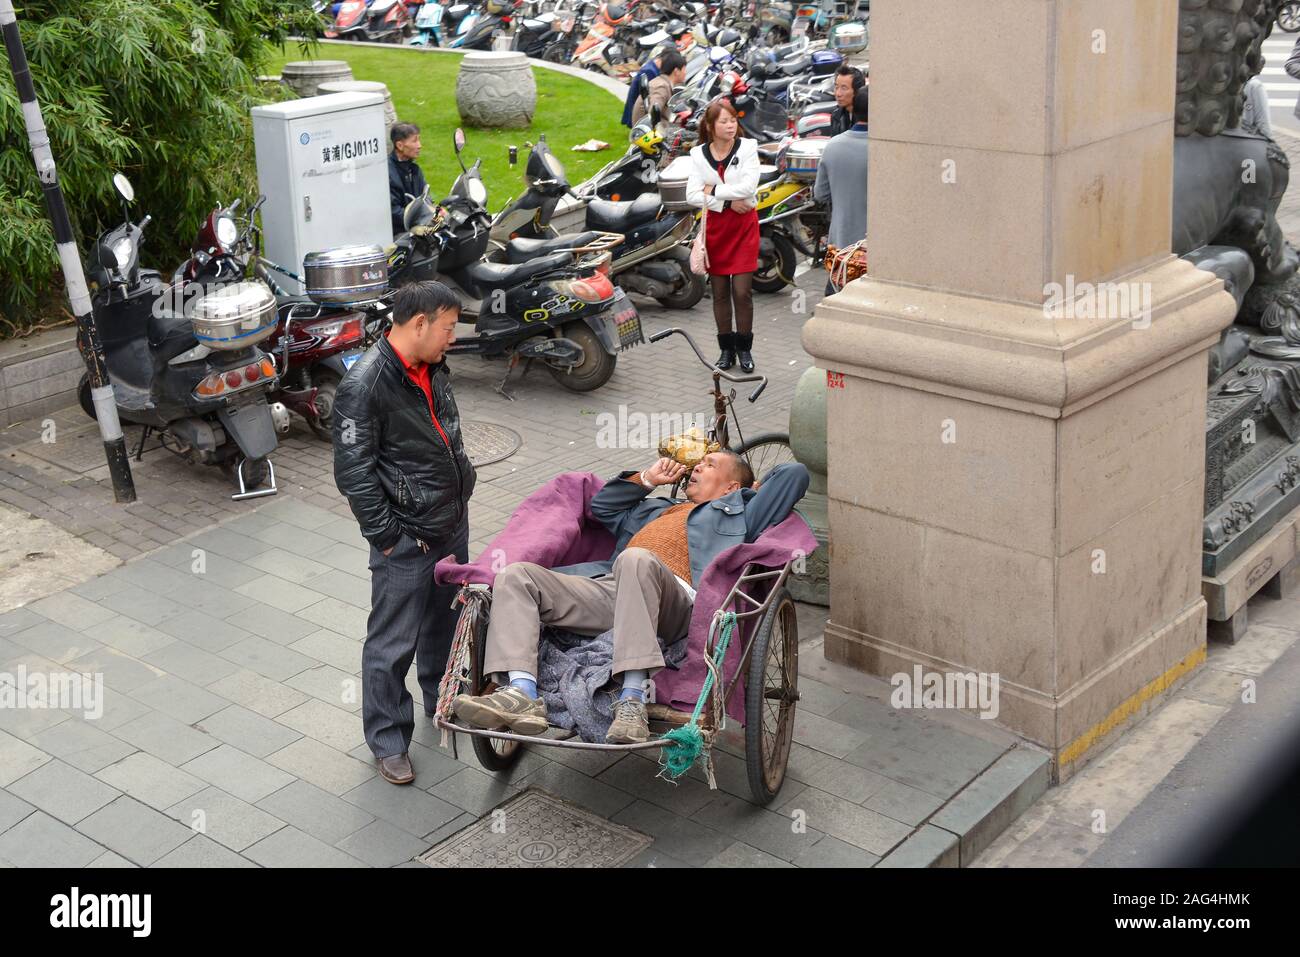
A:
{"x": 665, "y": 472}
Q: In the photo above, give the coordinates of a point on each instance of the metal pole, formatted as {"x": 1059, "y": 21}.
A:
{"x": 92, "y": 350}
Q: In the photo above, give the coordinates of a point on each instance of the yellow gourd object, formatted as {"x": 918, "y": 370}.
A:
{"x": 688, "y": 448}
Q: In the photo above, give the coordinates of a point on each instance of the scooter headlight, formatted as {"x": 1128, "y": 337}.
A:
{"x": 122, "y": 252}
{"x": 478, "y": 192}
{"x": 227, "y": 232}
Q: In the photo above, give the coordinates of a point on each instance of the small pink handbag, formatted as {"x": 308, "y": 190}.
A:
{"x": 700, "y": 254}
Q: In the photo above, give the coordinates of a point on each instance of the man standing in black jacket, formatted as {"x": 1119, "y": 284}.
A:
{"x": 848, "y": 81}
{"x": 400, "y": 461}
{"x": 405, "y": 178}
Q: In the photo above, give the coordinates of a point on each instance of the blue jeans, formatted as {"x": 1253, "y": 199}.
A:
{"x": 410, "y": 617}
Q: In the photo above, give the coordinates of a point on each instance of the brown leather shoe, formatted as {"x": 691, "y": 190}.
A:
{"x": 396, "y": 769}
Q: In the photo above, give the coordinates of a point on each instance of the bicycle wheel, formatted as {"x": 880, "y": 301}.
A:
{"x": 765, "y": 452}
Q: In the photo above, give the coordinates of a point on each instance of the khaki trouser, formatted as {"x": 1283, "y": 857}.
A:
{"x": 641, "y": 600}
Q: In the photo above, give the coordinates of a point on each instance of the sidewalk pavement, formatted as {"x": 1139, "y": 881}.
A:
{"x": 231, "y": 684}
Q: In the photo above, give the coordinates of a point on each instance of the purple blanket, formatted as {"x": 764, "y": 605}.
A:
{"x": 554, "y": 527}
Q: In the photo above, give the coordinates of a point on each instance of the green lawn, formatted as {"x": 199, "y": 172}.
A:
{"x": 423, "y": 87}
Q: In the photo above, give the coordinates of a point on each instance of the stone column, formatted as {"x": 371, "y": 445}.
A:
{"x": 1016, "y": 488}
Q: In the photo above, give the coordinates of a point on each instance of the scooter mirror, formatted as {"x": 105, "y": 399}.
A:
{"x": 655, "y": 114}
{"x": 459, "y": 139}
{"x": 124, "y": 188}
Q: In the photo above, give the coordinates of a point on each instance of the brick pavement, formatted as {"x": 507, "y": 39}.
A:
{"x": 231, "y": 734}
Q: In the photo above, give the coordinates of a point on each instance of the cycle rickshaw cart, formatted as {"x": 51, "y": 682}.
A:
{"x": 755, "y": 680}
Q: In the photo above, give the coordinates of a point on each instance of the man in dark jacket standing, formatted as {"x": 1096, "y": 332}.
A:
{"x": 405, "y": 178}
{"x": 848, "y": 81}
{"x": 400, "y": 461}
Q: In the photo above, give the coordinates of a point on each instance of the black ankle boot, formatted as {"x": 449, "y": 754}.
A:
{"x": 745, "y": 342}
{"x": 727, "y": 343}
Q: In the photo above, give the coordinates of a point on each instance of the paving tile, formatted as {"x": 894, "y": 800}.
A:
{"x": 256, "y": 693}
{"x": 39, "y": 840}
{"x": 903, "y": 803}
{"x": 431, "y": 765}
{"x": 129, "y": 636}
{"x": 100, "y": 587}
{"x": 165, "y": 738}
{"x": 654, "y": 858}
{"x": 147, "y": 779}
{"x": 204, "y": 631}
{"x": 121, "y": 672}
{"x": 225, "y": 541}
{"x": 70, "y": 610}
{"x": 192, "y": 664}
{"x": 267, "y": 658}
{"x": 454, "y": 826}
{"x": 380, "y": 844}
{"x": 338, "y": 688}
{"x": 202, "y": 852}
{"x": 844, "y": 780}
{"x": 279, "y": 593}
{"x": 55, "y": 642}
{"x": 292, "y": 567}
{"x": 825, "y": 735}
{"x": 225, "y": 572}
{"x": 297, "y": 513}
{"x": 742, "y": 855}
{"x": 331, "y": 649}
{"x": 110, "y": 860}
{"x": 676, "y": 836}
{"x": 137, "y": 832}
{"x": 414, "y": 811}
{"x": 279, "y": 626}
{"x": 346, "y": 619}
{"x": 317, "y": 812}
{"x": 339, "y": 729}
{"x": 564, "y": 782}
{"x": 864, "y": 828}
{"x": 82, "y": 745}
{"x": 18, "y": 619}
{"x": 937, "y": 774}
{"x": 928, "y": 847}
{"x": 225, "y": 818}
{"x": 346, "y": 557}
{"x": 242, "y": 775}
{"x": 118, "y": 710}
{"x": 353, "y": 589}
{"x": 143, "y": 605}
{"x": 832, "y": 852}
{"x": 12, "y": 810}
{"x": 18, "y": 758}
{"x": 300, "y": 541}
{"x": 182, "y": 700}
{"x": 820, "y": 698}
{"x": 327, "y": 768}
{"x": 783, "y": 835}
{"x": 474, "y": 791}
{"x": 590, "y": 763}
{"x": 290, "y": 847}
{"x": 343, "y": 529}
{"x": 985, "y": 807}
{"x": 685, "y": 796}
{"x": 63, "y": 792}
{"x": 248, "y": 731}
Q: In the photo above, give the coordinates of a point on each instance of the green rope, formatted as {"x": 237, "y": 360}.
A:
{"x": 687, "y": 742}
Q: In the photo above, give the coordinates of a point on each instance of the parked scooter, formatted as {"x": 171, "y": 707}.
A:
{"x": 428, "y": 24}
{"x": 383, "y": 21}
{"x": 477, "y": 30}
{"x": 560, "y": 307}
{"x": 651, "y": 259}
{"x": 314, "y": 343}
{"x": 189, "y": 371}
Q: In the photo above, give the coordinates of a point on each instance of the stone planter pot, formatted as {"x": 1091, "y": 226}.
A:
{"x": 363, "y": 86}
{"x": 305, "y": 76}
{"x": 496, "y": 90}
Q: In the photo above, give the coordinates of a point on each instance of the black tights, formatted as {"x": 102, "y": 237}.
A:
{"x": 738, "y": 289}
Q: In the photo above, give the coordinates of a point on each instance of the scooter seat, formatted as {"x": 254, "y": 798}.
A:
{"x": 169, "y": 332}
{"x": 780, "y": 85}
{"x": 487, "y": 276}
{"x": 522, "y": 250}
{"x": 793, "y": 66}
{"x": 612, "y": 217}
{"x": 768, "y": 174}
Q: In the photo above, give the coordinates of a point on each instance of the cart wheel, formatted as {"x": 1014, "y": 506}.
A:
{"x": 771, "y": 693}
{"x": 495, "y": 754}
{"x": 765, "y": 452}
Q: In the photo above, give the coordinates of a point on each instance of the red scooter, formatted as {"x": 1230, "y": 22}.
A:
{"x": 382, "y": 21}
{"x": 314, "y": 345}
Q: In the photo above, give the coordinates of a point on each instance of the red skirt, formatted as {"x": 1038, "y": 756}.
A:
{"x": 731, "y": 239}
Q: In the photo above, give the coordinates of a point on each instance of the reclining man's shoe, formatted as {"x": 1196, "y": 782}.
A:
{"x": 630, "y": 725}
{"x": 507, "y": 707}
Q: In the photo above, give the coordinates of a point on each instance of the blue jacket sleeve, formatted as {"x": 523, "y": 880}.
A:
{"x": 614, "y": 504}
{"x": 778, "y": 494}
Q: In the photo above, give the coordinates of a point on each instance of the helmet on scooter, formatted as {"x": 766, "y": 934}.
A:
{"x": 758, "y": 72}
{"x": 617, "y": 14}
{"x": 676, "y": 28}
{"x": 727, "y": 38}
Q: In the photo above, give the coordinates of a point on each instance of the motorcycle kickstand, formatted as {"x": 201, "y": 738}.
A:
{"x": 144, "y": 435}
{"x": 501, "y": 386}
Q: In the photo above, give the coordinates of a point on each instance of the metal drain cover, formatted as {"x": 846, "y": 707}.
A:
{"x": 487, "y": 442}
{"x": 537, "y": 829}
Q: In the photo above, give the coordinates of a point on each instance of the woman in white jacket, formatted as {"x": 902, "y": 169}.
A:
{"x": 724, "y": 178}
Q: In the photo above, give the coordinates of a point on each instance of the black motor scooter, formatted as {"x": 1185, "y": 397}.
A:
{"x": 204, "y": 400}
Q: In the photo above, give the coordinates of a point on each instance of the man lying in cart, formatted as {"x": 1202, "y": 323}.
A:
{"x": 645, "y": 592}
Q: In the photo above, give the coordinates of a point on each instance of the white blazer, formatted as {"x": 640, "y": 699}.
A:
{"x": 742, "y": 176}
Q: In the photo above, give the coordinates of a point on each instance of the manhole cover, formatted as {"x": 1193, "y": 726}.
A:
{"x": 537, "y": 829}
{"x": 78, "y": 448}
{"x": 487, "y": 442}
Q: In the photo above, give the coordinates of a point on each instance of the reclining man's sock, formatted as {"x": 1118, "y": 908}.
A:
{"x": 524, "y": 682}
{"x": 633, "y": 684}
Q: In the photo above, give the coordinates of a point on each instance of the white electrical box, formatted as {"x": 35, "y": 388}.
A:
{"x": 322, "y": 163}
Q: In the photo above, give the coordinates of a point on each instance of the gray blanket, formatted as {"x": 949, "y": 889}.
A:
{"x": 575, "y": 681}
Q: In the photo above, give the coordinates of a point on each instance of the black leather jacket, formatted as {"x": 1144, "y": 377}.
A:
{"x": 398, "y": 473}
